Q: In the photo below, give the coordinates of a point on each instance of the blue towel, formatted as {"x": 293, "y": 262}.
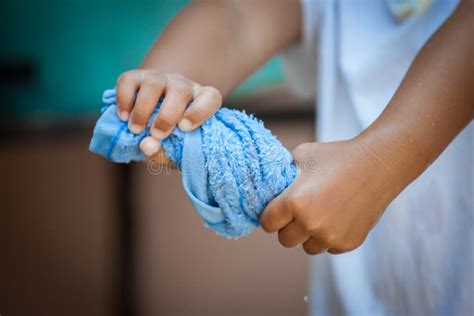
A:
{"x": 231, "y": 167}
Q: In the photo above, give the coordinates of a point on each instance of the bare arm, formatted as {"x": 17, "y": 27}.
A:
{"x": 220, "y": 43}
{"x": 434, "y": 102}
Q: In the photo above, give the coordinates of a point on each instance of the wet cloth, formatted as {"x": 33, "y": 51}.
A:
{"x": 231, "y": 167}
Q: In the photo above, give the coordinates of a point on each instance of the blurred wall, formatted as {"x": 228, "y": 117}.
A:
{"x": 58, "y": 228}
{"x": 60, "y": 55}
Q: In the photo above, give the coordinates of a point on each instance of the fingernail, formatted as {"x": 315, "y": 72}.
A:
{"x": 156, "y": 133}
{"x": 123, "y": 115}
{"x": 150, "y": 146}
{"x": 135, "y": 128}
{"x": 185, "y": 125}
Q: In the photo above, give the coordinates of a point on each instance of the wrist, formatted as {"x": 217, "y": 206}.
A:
{"x": 394, "y": 152}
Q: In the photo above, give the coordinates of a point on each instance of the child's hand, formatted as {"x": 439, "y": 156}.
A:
{"x": 343, "y": 187}
{"x": 338, "y": 196}
{"x": 177, "y": 91}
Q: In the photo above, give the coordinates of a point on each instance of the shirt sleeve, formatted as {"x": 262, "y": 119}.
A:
{"x": 299, "y": 61}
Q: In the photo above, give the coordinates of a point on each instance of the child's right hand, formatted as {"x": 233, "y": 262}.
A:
{"x": 149, "y": 86}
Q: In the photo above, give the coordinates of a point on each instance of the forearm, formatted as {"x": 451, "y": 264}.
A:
{"x": 432, "y": 105}
{"x": 220, "y": 43}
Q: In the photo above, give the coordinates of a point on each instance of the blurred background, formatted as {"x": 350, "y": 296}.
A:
{"x": 82, "y": 236}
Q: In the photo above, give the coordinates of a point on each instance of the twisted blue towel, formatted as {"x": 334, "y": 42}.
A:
{"x": 231, "y": 166}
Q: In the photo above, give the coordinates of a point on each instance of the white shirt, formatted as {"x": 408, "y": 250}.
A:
{"x": 419, "y": 259}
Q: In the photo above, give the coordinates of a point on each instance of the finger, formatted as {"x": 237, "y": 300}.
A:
{"x": 159, "y": 161}
{"x": 150, "y": 146}
{"x": 314, "y": 246}
{"x": 292, "y": 235}
{"x": 178, "y": 94}
{"x": 150, "y": 92}
{"x": 276, "y": 215}
{"x": 335, "y": 251}
{"x": 127, "y": 85}
{"x": 206, "y": 102}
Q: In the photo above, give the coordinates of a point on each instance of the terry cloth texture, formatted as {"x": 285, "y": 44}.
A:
{"x": 231, "y": 167}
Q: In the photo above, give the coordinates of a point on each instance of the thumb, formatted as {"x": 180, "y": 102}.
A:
{"x": 277, "y": 214}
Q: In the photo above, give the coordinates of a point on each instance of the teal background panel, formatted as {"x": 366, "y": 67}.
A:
{"x": 77, "y": 48}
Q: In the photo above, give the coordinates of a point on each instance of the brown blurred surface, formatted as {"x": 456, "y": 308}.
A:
{"x": 57, "y": 229}
{"x": 59, "y": 240}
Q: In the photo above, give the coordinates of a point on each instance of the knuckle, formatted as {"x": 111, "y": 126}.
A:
{"x": 181, "y": 88}
{"x": 335, "y": 251}
{"x": 350, "y": 245}
{"x": 164, "y": 122}
{"x": 176, "y": 75}
{"x": 214, "y": 94}
{"x": 346, "y": 248}
{"x": 153, "y": 79}
{"x": 330, "y": 238}
{"x": 338, "y": 251}
{"x": 285, "y": 241}
{"x": 315, "y": 228}
{"x": 295, "y": 201}
{"x": 123, "y": 78}
{"x": 301, "y": 151}
{"x": 120, "y": 99}
{"x": 310, "y": 250}
{"x": 267, "y": 223}
{"x": 138, "y": 116}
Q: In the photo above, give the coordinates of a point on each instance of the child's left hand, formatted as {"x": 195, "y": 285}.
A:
{"x": 138, "y": 92}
